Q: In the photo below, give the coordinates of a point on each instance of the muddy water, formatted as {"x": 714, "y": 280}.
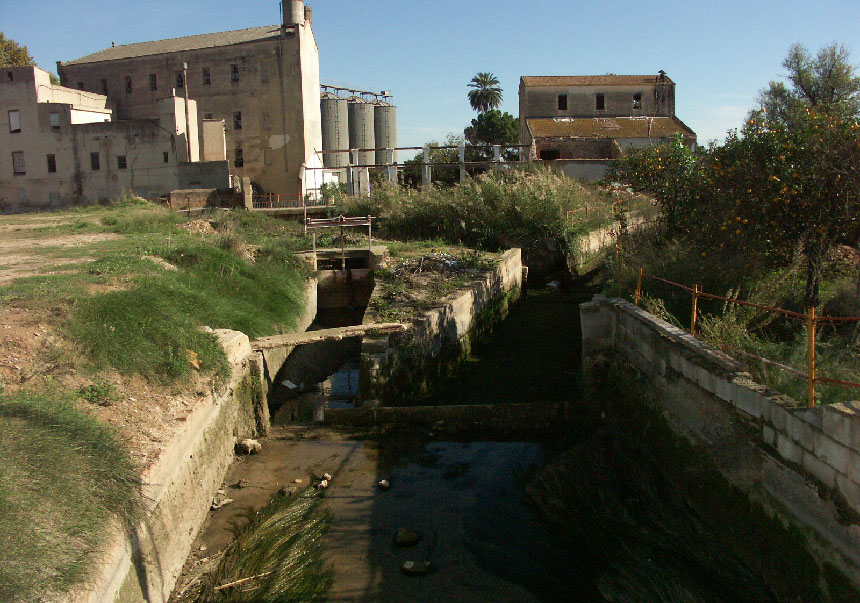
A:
{"x": 498, "y": 521}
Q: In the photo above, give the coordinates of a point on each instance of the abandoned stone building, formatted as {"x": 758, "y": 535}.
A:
{"x": 64, "y": 147}
{"x": 580, "y": 123}
{"x": 263, "y": 82}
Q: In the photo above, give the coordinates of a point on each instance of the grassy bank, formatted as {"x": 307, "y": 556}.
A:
{"x": 101, "y": 347}
{"x": 63, "y": 479}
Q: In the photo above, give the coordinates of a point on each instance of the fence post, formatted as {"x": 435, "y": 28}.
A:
{"x": 639, "y": 287}
{"x": 462, "y": 154}
{"x": 695, "y": 310}
{"x": 810, "y": 353}
{"x": 426, "y": 174}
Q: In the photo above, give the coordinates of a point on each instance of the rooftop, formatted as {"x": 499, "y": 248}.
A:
{"x": 210, "y": 40}
{"x": 608, "y": 127}
{"x": 592, "y": 80}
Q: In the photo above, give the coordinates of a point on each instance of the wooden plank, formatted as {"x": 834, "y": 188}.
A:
{"x": 336, "y": 334}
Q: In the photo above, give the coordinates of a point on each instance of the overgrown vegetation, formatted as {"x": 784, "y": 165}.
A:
{"x": 63, "y": 478}
{"x": 769, "y": 216}
{"x": 525, "y": 207}
{"x": 275, "y": 556}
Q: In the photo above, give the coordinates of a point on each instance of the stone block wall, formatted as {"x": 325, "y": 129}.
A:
{"x": 806, "y": 462}
{"x": 404, "y": 365}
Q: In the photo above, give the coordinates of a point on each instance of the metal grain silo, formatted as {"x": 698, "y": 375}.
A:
{"x": 361, "y": 130}
{"x": 385, "y": 129}
{"x": 335, "y": 129}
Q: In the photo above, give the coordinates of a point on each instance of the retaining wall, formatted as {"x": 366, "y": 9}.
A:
{"x": 179, "y": 485}
{"x": 803, "y": 464}
{"x": 402, "y": 366}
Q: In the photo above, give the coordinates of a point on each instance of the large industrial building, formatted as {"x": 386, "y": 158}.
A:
{"x": 263, "y": 82}
{"x": 65, "y": 147}
{"x": 580, "y": 123}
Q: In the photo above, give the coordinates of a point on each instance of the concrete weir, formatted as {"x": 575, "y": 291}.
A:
{"x": 802, "y": 465}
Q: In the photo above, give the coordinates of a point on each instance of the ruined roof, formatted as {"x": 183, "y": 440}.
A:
{"x": 210, "y": 40}
{"x": 592, "y": 80}
{"x": 607, "y": 127}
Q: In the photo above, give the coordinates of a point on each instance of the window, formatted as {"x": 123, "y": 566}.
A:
{"x": 238, "y": 158}
{"x": 18, "y": 163}
{"x": 104, "y": 87}
{"x": 562, "y": 102}
{"x": 52, "y": 164}
{"x": 267, "y": 122}
{"x": 600, "y": 102}
{"x": 80, "y": 85}
{"x": 95, "y": 164}
{"x": 166, "y": 156}
{"x": 234, "y": 73}
{"x": 207, "y": 116}
{"x": 180, "y": 79}
{"x": 207, "y": 78}
{"x": 153, "y": 82}
{"x": 11, "y": 76}
{"x": 14, "y": 121}
{"x": 549, "y": 154}
{"x": 128, "y": 84}
{"x": 264, "y": 71}
{"x": 54, "y": 119}
{"x": 637, "y": 100}
{"x": 120, "y": 162}
{"x": 237, "y": 120}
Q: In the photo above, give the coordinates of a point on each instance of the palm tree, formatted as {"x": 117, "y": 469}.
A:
{"x": 486, "y": 94}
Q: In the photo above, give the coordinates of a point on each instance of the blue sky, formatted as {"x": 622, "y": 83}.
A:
{"x": 720, "y": 54}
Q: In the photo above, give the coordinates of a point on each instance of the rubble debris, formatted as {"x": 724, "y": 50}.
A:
{"x": 405, "y": 537}
{"x": 415, "y": 568}
{"x": 384, "y": 484}
{"x": 248, "y": 446}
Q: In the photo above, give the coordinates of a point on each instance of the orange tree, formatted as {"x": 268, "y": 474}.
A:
{"x": 789, "y": 188}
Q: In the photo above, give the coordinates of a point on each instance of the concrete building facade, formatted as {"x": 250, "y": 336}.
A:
{"x": 63, "y": 147}
{"x": 263, "y": 82}
{"x": 582, "y": 122}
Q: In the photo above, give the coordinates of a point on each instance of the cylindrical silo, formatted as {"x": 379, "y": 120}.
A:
{"x": 361, "y": 131}
{"x": 385, "y": 129}
{"x": 335, "y": 129}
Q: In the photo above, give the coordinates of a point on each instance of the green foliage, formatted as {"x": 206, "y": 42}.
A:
{"x": 411, "y": 173}
{"x": 494, "y": 128}
{"x": 827, "y": 83}
{"x": 486, "y": 93}
{"x": 495, "y": 211}
{"x": 280, "y": 544}
{"x": 100, "y": 392}
{"x": 64, "y": 476}
{"x": 13, "y": 54}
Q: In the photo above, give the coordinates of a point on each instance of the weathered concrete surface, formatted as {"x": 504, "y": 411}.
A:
{"x": 335, "y": 334}
{"x": 178, "y": 486}
{"x": 593, "y": 246}
{"x": 275, "y": 357}
{"x": 406, "y": 364}
{"x": 804, "y": 464}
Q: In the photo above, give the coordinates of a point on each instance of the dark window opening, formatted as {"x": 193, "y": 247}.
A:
{"x": 238, "y": 157}
{"x": 600, "y": 102}
{"x": 549, "y": 154}
{"x": 54, "y": 118}
{"x": 562, "y": 102}
{"x": 153, "y": 82}
{"x": 166, "y": 156}
{"x": 11, "y": 77}
{"x": 180, "y": 79}
{"x": 234, "y": 73}
{"x": 207, "y": 78}
{"x": 637, "y": 100}
{"x": 95, "y": 164}
{"x": 128, "y": 84}
{"x": 237, "y": 120}
{"x": 104, "y": 86}
{"x": 18, "y": 166}
{"x": 120, "y": 162}
{"x": 207, "y": 116}
{"x": 52, "y": 164}
{"x": 80, "y": 85}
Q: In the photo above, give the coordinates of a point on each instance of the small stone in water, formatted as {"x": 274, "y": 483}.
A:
{"x": 383, "y": 484}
